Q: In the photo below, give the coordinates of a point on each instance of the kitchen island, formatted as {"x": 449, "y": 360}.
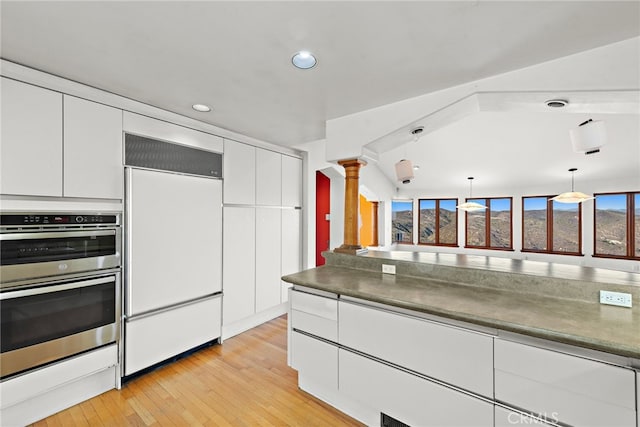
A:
{"x": 469, "y": 340}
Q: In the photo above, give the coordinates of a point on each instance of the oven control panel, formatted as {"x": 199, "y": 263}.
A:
{"x": 57, "y": 219}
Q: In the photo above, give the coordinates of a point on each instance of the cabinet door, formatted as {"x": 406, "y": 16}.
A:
{"x": 507, "y": 418}
{"x": 574, "y": 390}
{"x": 239, "y": 263}
{"x": 268, "y": 238}
{"x": 316, "y": 362}
{"x": 452, "y": 355}
{"x": 291, "y": 181}
{"x": 291, "y": 247}
{"x": 92, "y": 150}
{"x": 239, "y": 171}
{"x": 268, "y": 177}
{"x": 406, "y": 397}
{"x": 31, "y": 140}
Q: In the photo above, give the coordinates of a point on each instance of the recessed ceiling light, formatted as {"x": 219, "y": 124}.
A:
{"x": 304, "y": 60}
{"x": 416, "y": 167}
{"x": 201, "y": 107}
{"x": 557, "y": 103}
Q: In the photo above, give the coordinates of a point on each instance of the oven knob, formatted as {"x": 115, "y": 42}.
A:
{"x": 79, "y": 219}
{"x": 62, "y": 267}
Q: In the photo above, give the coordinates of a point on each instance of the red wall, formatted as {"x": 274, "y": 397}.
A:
{"x": 323, "y": 207}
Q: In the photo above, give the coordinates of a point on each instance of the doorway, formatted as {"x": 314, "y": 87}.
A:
{"x": 323, "y": 208}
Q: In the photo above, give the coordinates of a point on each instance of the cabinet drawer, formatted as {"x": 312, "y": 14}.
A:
{"x": 326, "y": 308}
{"x": 408, "y": 398}
{"x": 155, "y": 338}
{"x": 316, "y": 361}
{"x": 579, "y": 391}
{"x": 452, "y": 355}
{"x": 27, "y": 386}
{"x": 316, "y": 325}
{"x": 507, "y": 418}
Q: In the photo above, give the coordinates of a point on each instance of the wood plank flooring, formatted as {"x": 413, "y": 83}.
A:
{"x": 244, "y": 382}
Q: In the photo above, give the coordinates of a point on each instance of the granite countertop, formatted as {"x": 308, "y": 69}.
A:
{"x": 582, "y": 323}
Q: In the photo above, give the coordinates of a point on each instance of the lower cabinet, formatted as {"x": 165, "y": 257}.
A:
{"x": 316, "y": 362}
{"x": 408, "y": 398}
{"x": 571, "y": 389}
{"x": 508, "y": 418}
{"x": 152, "y": 339}
{"x": 35, "y": 395}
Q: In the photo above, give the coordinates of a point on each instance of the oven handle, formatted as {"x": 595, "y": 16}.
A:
{"x": 55, "y": 288}
{"x": 56, "y": 234}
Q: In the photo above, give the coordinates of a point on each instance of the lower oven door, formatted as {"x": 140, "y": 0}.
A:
{"x": 48, "y": 322}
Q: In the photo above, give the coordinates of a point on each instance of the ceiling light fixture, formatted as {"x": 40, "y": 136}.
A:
{"x": 588, "y": 137}
{"x": 201, "y": 107}
{"x": 557, "y": 103}
{"x": 304, "y": 60}
{"x": 471, "y": 206}
{"x": 572, "y": 196}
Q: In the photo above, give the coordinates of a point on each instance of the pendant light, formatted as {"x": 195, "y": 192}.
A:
{"x": 471, "y": 206}
{"x": 572, "y": 196}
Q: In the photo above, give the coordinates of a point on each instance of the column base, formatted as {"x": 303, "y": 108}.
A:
{"x": 351, "y": 250}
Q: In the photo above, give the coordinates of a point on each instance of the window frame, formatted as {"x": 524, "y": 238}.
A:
{"x": 437, "y": 225}
{"x": 413, "y": 221}
{"x": 549, "y": 227}
{"x": 487, "y": 229}
{"x": 630, "y": 223}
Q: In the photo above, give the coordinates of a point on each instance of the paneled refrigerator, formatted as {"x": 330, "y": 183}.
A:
{"x": 173, "y": 267}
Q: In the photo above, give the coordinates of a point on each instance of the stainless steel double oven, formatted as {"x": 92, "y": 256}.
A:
{"x": 59, "y": 286}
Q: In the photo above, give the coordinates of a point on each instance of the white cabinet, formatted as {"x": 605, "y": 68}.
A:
{"x": 578, "y": 391}
{"x": 291, "y": 181}
{"x": 508, "y": 418}
{"x": 239, "y": 263}
{"x": 154, "y": 338}
{"x": 291, "y": 245}
{"x": 316, "y": 362}
{"x": 315, "y": 315}
{"x": 239, "y": 171}
{"x": 92, "y": 150}
{"x": 31, "y": 143}
{"x": 59, "y": 146}
{"x": 268, "y": 178}
{"x": 268, "y": 238}
{"x": 449, "y": 354}
{"x": 408, "y": 398}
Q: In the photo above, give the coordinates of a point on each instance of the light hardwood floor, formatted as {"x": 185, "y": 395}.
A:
{"x": 244, "y": 382}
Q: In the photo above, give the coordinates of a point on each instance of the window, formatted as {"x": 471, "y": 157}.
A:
{"x": 551, "y": 227}
{"x": 490, "y": 228}
{"x": 617, "y": 225}
{"x": 402, "y": 221}
{"x": 438, "y": 222}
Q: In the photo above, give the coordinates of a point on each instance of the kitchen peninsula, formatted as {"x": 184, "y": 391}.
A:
{"x": 466, "y": 340}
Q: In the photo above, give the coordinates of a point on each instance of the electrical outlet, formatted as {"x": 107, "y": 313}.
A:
{"x": 388, "y": 269}
{"x": 615, "y": 298}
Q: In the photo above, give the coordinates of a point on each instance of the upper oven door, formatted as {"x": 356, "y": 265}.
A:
{"x": 30, "y": 255}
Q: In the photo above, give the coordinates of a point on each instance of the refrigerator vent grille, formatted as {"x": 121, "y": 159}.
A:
{"x": 153, "y": 154}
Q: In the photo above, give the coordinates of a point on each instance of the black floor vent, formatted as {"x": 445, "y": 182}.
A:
{"x": 387, "y": 421}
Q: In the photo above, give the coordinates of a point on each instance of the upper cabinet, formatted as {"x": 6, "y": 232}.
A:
{"x": 31, "y": 144}
{"x": 58, "y": 145}
{"x": 92, "y": 150}
{"x": 239, "y": 172}
{"x": 291, "y": 181}
{"x": 268, "y": 177}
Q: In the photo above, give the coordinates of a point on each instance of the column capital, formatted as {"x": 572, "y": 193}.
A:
{"x": 349, "y": 163}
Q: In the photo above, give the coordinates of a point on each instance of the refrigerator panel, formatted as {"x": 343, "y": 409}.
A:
{"x": 174, "y": 239}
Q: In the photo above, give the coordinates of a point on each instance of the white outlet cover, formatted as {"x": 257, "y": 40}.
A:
{"x": 620, "y": 299}
{"x": 388, "y": 269}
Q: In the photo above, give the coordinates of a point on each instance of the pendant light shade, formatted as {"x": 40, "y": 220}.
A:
{"x": 572, "y": 196}
{"x": 471, "y": 206}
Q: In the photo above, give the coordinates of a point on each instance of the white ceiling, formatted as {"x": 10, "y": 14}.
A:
{"x": 236, "y": 57}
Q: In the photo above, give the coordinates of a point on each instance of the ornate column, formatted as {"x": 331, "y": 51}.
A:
{"x": 351, "y": 243}
{"x": 374, "y": 223}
